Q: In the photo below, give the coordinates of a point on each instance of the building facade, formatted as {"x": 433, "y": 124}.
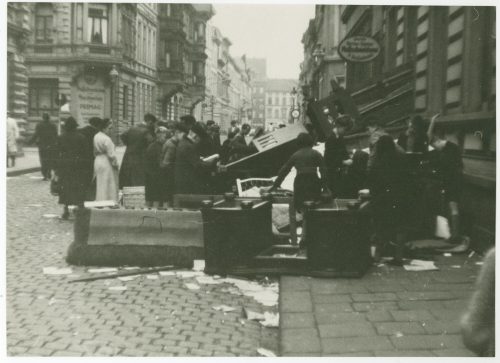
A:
{"x": 280, "y": 101}
{"x": 182, "y": 57}
{"x": 435, "y": 59}
{"x": 18, "y": 32}
{"x": 258, "y": 77}
{"x": 228, "y": 91}
{"x": 322, "y": 62}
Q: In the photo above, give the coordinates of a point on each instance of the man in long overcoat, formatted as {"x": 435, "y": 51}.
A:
{"x": 45, "y": 137}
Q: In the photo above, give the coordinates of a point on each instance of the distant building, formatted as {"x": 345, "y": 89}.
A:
{"x": 18, "y": 32}
{"x": 258, "y": 77}
{"x": 279, "y": 102}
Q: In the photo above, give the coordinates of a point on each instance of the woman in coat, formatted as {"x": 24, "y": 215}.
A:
{"x": 105, "y": 164}
{"x": 70, "y": 166}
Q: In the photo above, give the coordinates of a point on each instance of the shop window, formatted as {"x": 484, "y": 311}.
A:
{"x": 42, "y": 96}
{"x": 98, "y": 24}
{"x": 43, "y": 23}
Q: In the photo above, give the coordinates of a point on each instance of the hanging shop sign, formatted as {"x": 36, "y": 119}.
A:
{"x": 359, "y": 48}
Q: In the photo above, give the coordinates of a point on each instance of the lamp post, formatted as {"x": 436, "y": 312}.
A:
{"x": 294, "y": 111}
{"x": 113, "y": 76}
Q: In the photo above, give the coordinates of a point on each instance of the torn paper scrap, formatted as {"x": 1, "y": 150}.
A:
{"x": 420, "y": 265}
{"x": 166, "y": 273}
{"x": 207, "y": 280}
{"x": 57, "y": 271}
{"x": 192, "y": 286}
{"x": 102, "y": 270}
{"x": 50, "y": 215}
{"x": 117, "y": 288}
{"x": 152, "y": 277}
{"x": 128, "y": 278}
{"x": 252, "y": 315}
{"x": 271, "y": 320}
{"x": 265, "y": 352}
{"x": 188, "y": 274}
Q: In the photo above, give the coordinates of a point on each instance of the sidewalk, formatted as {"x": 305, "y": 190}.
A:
{"x": 388, "y": 312}
{"x": 30, "y": 162}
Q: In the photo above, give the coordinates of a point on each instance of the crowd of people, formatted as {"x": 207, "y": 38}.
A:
{"x": 166, "y": 158}
{"x": 410, "y": 180}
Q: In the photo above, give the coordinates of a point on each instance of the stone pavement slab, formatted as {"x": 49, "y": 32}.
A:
{"x": 388, "y": 312}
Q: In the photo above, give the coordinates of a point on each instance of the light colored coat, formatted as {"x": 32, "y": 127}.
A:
{"x": 105, "y": 168}
{"x": 12, "y": 136}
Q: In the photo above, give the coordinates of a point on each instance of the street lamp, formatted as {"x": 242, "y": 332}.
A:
{"x": 294, "y": 111}
{"x": 113, "y": 76}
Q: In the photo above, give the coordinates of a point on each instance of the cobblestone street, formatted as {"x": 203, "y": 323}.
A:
{"x": 157, "y": 315}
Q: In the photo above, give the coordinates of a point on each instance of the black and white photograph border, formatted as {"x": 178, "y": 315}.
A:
{"x": 234, "y": 179}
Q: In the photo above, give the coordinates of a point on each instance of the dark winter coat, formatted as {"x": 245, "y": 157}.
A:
{"x": 137, "y": 140}
{"x": 335, "y": 154}
{"x": 72, "y": 155}
{"x": 191, "y": 172}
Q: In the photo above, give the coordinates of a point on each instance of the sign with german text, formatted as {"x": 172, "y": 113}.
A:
{"x": 358, "y": 49}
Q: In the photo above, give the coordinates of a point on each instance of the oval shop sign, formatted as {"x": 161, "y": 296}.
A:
{"x": 359, "y": 48}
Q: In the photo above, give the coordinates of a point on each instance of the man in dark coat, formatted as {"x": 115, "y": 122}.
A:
{"x": 337, "y": 157}
{"x": 45, "y": 136}
{"x": 89, "y": 132}
{"x": 239, "y": 146}
{"x": 137, "y": 140}
{"x": 70, "y": 166}
{"x": 191, "y": 172}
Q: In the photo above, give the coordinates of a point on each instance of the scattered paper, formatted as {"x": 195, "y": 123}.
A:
{"x": 447, "y": 254}
{"x": 102, "y": 270}
{"x": 152, "y": 277}
{"x": 167, "y": 273}
{"x": 399, "y": 334}
{"x": 271, "y": 320}
{"x": 36, "y": 177}
{"x": 252, "y": 315}
{"x": 471, "y": 254}
{"x": 128, "y": 278}
{"x": 266, "y": 295}
{"x": 456, "y": 266}
{"x": 420, "y": 265}
{"x": 223, "y": 308}
{"x": 131, "y": 268}
{"x": 35, "y": 205}
{"x": 265, "y": 352}
{"x": 50, "y": 215}
{"x": 479, "y": 263}
{"x": 57, "y": 271}
{"x": 207, "y": 280}
{"x": 118, "y": 288}
{"x": 188, "y": 274}
{"x": 192, "y": 286}
{"x": 198, "y": 265}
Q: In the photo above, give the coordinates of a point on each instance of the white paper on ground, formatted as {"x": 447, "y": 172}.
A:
{"x": 271, "y": 320}
{"x": 102, "y": 270}
{"x": 207, "y": 280}
{"x": 131, "y": 268}
{"x": 223, "y": 308}
{"x": 117, "y": 288}
{"x": 198, "y": 265}
{"x": 447, "y": 254}
{"x": 128, "y": 278}
{"x": 265, "y": 352}
{"x": 35, "y": 205}
{"x": 57, "y": 271}
{"x": 480, "y": 263}
{"x": 50, "y": 215}
{"x": 252, "y": 315}
{"x": 152, "y": 277}
{"x": 36, "y": 177}
{"x": 166, "y": 273}
{"x": 188, "y": 274}
{"x": 420, "y": 265}
{"x": 192, "y": 286}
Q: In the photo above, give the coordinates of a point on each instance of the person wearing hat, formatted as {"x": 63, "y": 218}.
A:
{"x": 239, "y": 146}
{"x": 191, "y": 172}
{"x": 105, "y": 164}
{"x": 168, "y": 159}
{"x": 137, "y": 140}
{"x": 45, "y": 137}
{"x": 155, "y": 183}
{"x": 70, "y": 166}
{"x": 336, "y": 156}
{"x": 89, "y": 131}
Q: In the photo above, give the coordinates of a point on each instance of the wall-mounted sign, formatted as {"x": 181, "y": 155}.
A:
{"x": 88, "y": 98}
{"x": 359, "y": 48}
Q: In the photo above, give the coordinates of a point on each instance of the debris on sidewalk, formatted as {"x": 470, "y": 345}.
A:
{"x": 447, "y": 254}
{"x": 271, "y": 320}
{"x": 266, "y": 295}
{"x": 198, "y": 265}
{"x": 35, "y": 205}
{"x": 191, "y": 286}
{"x": 117, "y": 288}
{"x": 128, "y": 278}
{"x": 188, "y": 274}
{"x": 265, "y": 352}
{"x": 420, "y": 265}
{"x": 223, "y": 308}
{"x": 57, "y": 271}
{"x": 102, "y": 270}
{"x": 479, "y": 263}
{"x": 152, "y": 277}
{"x": 36, "y": 177}
{"x": 252, "y": 315}
{"x": 111, "y": 275}
{"x": 50, "y": 215}
{"x": 167, "y": 273}
{"x": 208, "y": 280}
